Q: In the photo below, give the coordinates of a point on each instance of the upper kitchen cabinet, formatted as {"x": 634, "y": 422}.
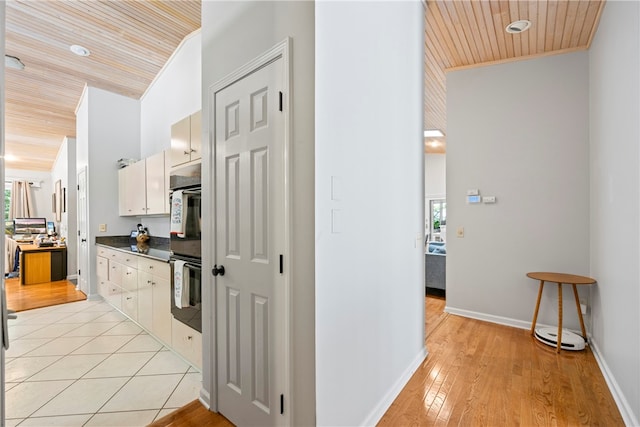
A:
{"x": 186, "y": 140}
{"x": 144, "y": 188}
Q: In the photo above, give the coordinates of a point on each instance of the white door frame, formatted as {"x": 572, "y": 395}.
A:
{"x": 83, "y": 247}
{"x": 281, "y": 50}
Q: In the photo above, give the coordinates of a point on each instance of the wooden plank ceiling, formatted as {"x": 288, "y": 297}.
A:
{"x": 130, "y": 41}
{"x": 465, "y": 33}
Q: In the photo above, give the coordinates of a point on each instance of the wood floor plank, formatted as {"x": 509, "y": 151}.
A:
{"x": 193, "y": 414}
{"x": 27, "y": 297}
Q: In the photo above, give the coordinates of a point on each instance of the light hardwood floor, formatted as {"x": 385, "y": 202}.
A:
{"x": 26, "y": 297}
{"x": 483, "y": 374}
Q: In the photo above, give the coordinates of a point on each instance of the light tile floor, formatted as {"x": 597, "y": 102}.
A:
{"x": 86, "y": 364}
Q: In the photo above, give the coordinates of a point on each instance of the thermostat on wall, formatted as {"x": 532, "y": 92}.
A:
{"x": 474, "y": 199}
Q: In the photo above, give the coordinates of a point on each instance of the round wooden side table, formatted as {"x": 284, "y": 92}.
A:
{"x": 560, "y": 278}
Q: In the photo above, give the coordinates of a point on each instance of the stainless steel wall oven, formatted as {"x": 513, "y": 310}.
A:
{"x": 186, "y": 244}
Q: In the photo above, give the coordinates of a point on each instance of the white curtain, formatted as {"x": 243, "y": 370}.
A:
{"x": 21, "y": 205}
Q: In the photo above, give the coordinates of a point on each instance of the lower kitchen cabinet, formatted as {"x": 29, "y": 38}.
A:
{"x": 140, "y": 287}
{"x": 154, "y": 305}
{"x": 130, "y": 304}
{"x": 187, "y": 342}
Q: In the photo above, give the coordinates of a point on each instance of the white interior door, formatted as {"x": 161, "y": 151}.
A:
{"x": 250, "y": 238}
{"x": 83, "y": 247}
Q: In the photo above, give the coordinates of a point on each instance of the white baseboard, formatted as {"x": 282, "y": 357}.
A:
{"x": 623, "y": 405}
{"x": 204, "y": 398}
{"x": 72, "y": 277}
{"x": 381, "y": 408}
{"x": 507, "y": 321}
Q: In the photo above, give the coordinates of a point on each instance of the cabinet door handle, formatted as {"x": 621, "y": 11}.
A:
{"x": 186, "y": 153}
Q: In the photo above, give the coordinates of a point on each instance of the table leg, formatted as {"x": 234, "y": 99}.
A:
{"x": 575, "y": 294}
{"x": 535, "y": 313}
{"x": 559, "y": 317}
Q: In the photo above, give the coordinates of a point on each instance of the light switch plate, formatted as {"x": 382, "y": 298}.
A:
{"x": 103, "y": 228}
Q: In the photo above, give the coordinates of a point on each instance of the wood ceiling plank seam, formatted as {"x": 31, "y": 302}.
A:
{"x": 25, "y": 105}
{"x": 166, "y": 13}
{"x": 153, "y": 29}
{"x": 596, "y": 21}
{"x": 448, "y": 32}
{"x": 561, "y": 15}
{"x": 496, "y": 17}
{"x": 532, "y": 16}
{"x": 541, "y": 24}
{"x": 505, "y": 16}
{"x": 552, "y": 8}
{"x": 516, "y": 38}
{"x": 590, "y": 22}
{"x": 469, "y": 30}
{"x": 190, "y": 16}
{"x": 436, "y": 20}
{"x": 433, "y": 54}
{"x": 433, "y": 44}
{"x": 437, "y": 86}
{"x": 569, "y": 23}
{"x": 578, "y": 27}
{"x": 490, "y": 28}
{"x": 473, "y": 10}
{"x": 458, "y": 31}
{"x": 523, "y": 13}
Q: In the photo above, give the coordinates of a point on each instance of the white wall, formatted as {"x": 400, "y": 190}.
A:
{"x": 233, "y": 33}
{"x": 64, "y": 169}
{"x": 370, "y": 266}
{"x": 435, "y": 170}
{"x": 175, "y": 93}
{"x": 614, "y": 66}
{"x": 40, "y": 196}
{"x": 108, "y": 129}
{"x": 517, "y": 131}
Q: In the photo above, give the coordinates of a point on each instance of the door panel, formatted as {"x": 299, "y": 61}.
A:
{"x": 249, "y": 155}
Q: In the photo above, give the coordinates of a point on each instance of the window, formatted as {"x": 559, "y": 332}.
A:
{"x": 8, "y": 224}
{"x": 438, "y": 215}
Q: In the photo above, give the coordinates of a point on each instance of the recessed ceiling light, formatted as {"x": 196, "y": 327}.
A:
{"x": 79, "y": 50}
{"x": 13, "y": 62}
{"x": 518, "y": 26}
{"x": 433, "y": 133}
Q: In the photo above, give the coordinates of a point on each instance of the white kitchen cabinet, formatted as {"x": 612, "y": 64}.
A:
{"x": 143, "y": 187}
{"x": 157, "y": 184}
{"x": 154, "y": 298}
{"x": 186, "y": 139}
{"x": 187, "y": 342}
{"x": 102, "y": 267}
{"x": 132, "y": 197}
{"x": 130, "y": 304}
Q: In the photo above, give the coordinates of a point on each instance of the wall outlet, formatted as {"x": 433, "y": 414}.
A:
{"x": 103, "y": 228}
{"x": 460, "y": 232}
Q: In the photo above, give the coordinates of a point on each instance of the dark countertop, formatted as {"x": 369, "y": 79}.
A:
{"x": 157, "y": 248}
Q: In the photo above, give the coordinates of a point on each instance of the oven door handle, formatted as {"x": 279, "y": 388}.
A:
{"x": 188, "y": 265}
